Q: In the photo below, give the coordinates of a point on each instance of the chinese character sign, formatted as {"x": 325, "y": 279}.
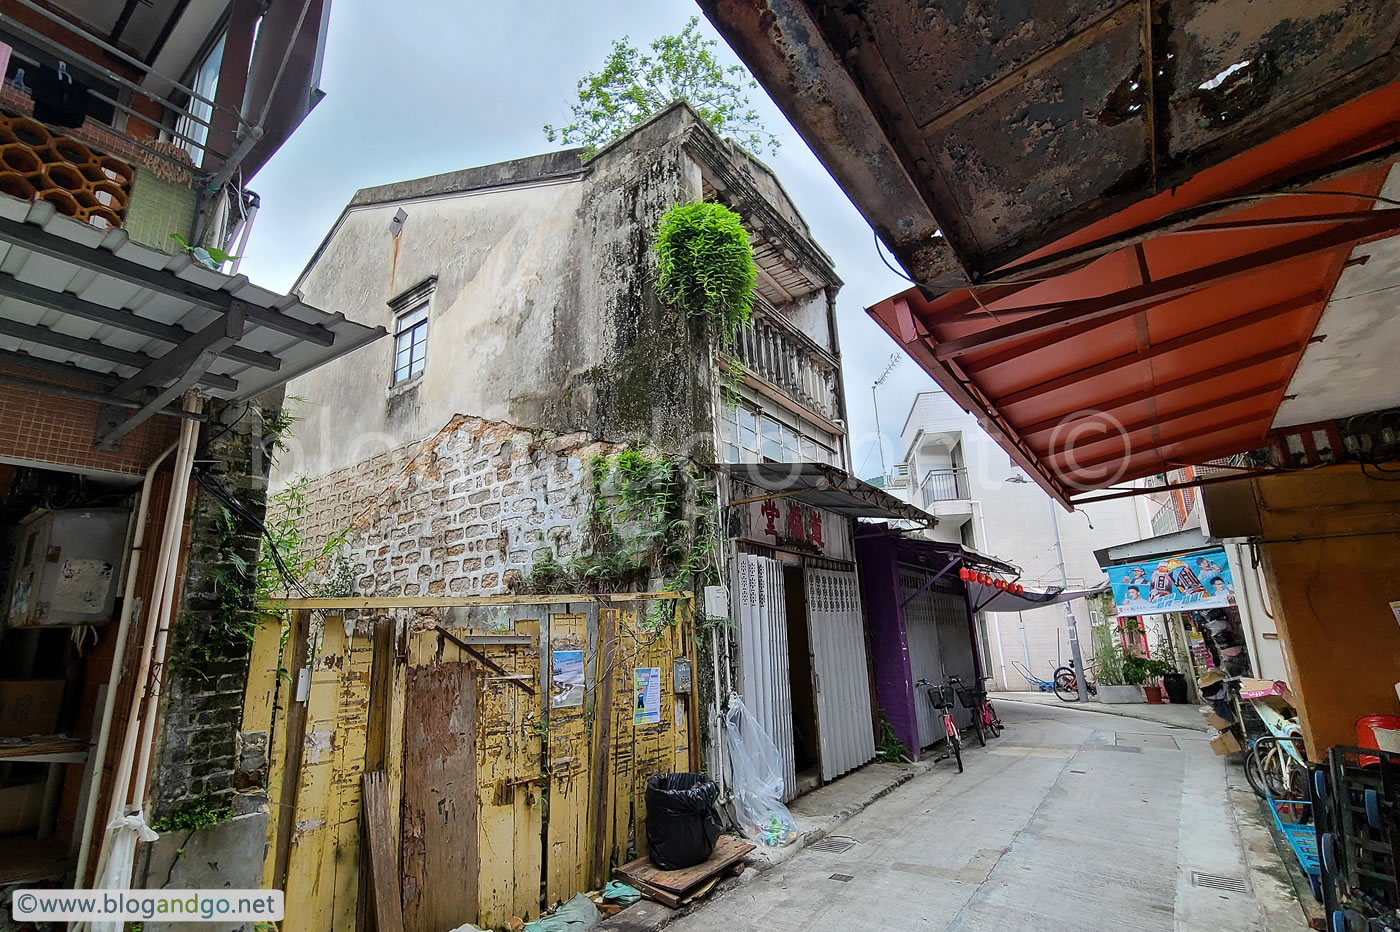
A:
{"x": 1185, "y": 582}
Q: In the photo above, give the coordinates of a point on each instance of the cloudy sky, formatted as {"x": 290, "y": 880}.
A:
{"x": 417, "y": 87}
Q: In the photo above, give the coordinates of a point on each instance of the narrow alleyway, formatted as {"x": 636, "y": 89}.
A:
{"x": 1071, "y": 819}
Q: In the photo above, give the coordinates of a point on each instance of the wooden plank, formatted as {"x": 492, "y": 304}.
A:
{"x": 440, "y": 860}
{"x": 285, "y": 750}
{"x": 624, "y": 748}
{"x": 260, "y": 704}
{"x": 689, "y": 632}
{"x": 664, "y": 897}
{"x": 383, "y": 878}
{"x": 351, "y": 737}
{"x": 380, "y": 602}
{"x": 394, "y": 742}
{"x": 310, "y": 864}
{"x": 601, "y": 784}
{"x": 496, "y": 800}
{"x": 527, "y": 759}
{"x": 728, "y": 852}
{"x": 567, "y": 850}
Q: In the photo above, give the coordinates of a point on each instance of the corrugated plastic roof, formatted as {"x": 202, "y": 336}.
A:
{"x": 122, "y": 305}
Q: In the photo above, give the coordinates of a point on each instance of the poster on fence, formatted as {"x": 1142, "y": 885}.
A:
{"x": 1184, "y": 582}
{"x": 566, "y": 680}
{"x": 646, "y": 696}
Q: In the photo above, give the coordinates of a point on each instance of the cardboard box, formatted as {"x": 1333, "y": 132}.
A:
{"x": 1213, "y": 720}
{"x": 1225, "y": 742}
{"x": 29, "y": 707}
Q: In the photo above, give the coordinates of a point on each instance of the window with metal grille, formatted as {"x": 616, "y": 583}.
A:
{"x": 410, "y": 343}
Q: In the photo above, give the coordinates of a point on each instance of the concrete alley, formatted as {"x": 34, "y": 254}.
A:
{"x": 1071, "y": 819}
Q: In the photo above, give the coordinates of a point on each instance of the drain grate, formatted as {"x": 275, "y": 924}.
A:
{"x": 842, "y": 878}
{"x": 1217, "y": 882}
{"x": 833, "y": 844}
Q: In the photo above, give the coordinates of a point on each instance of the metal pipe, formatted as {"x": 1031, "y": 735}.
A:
{"x": 157, "y": 680}
{"x": 104, "y": 730}
{"x": 1080, "y": 674}
{"x": 161, "y": 588}
{"x": 247, "y": 231}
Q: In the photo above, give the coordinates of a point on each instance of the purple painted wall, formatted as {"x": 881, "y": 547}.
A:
{"x": 889, "y": 649}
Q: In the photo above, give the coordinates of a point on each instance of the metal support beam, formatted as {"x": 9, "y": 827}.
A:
{"x": 100, "y": 260}
{"x": 180, "y": 368}
{"x": 11, "y": 287}
{"x": 1087, "y": 310}
{"x": 67, "y": 391}
{"x": 95, "y": 348}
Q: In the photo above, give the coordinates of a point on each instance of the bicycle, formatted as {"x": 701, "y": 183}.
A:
{"x": 975, "y": 700}
{"x": 1066, "y": 682}
{"x": 1275, "y": 765}
{"x": 941, "y": 698}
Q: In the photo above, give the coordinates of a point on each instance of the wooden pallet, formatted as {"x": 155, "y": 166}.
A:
{"x": 676, "y": 888}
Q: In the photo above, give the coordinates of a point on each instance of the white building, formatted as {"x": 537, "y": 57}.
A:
{"x": 952, "y": 468}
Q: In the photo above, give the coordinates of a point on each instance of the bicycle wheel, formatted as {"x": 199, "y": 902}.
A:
{"x": 1066, "y": 685}
{"x": 997, "y": 726}
{"x": 977, "y": 723}
{"x": 957, "y": 751}
{"x": 1252, "y": 771}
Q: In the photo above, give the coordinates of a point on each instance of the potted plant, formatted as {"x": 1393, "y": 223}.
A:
{"x": 1138, "y": 670}
{"x": 1112, "y": 680}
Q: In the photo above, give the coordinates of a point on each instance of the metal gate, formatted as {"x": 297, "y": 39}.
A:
{"x": 932, "y": 622}
{"x": 844, "y": 723}
{"x": 767, "y": 687}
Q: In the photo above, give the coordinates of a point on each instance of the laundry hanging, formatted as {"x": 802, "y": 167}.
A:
{"x": 58, "y": 99}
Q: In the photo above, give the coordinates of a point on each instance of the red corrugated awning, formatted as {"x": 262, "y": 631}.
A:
{"x": 1167, "y": 334}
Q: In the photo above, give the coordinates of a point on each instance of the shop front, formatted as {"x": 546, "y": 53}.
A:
{"x": 805, "y": 662}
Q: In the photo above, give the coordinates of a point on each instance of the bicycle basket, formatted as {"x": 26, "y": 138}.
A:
{"x": 971, "y": 697}
{"x": 941, "y": 697}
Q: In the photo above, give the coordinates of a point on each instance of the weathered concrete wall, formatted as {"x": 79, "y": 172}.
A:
{"x": 226, "y": 856}
{"x": 543, "y": 313}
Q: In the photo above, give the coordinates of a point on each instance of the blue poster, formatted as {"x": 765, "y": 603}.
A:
{"x": 1186, "y": 582}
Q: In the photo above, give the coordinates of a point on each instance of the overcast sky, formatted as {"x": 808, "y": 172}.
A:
{"x": 417, "y": 87}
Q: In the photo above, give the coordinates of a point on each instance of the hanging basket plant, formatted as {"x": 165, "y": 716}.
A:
{"x": 705, "y": 266}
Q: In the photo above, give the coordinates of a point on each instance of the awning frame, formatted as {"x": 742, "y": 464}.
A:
{"x": 816, "y": 479}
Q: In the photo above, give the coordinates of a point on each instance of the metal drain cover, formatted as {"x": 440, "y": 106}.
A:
{"x": 833, "y": 844}
{"x": 842, "y": 878}
{"x": 1217, "y": 882}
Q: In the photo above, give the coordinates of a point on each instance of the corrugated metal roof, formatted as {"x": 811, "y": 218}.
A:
{"x": 120, "y": 304}
{"x": 828, "y": 488}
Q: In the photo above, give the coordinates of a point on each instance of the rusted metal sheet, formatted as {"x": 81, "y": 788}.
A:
{"x": 440, "y": 850}
{"x": 1009, "y": 125}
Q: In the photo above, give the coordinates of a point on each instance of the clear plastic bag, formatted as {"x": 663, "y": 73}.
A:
{"x": 756, "y": 767}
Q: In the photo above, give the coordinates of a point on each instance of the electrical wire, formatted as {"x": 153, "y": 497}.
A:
{"x": 881, "y": 253}
{"x": 217, "y": 489}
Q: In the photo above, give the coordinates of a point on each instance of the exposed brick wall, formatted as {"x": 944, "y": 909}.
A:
{"x": 45, "y": 428}
{"x": 464, "y": 513}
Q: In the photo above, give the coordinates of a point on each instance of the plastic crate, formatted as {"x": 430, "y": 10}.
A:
{"x": 1363, "y": 819}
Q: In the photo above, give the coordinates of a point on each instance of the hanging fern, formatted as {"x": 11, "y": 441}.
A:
{"x": 705, "y": 266}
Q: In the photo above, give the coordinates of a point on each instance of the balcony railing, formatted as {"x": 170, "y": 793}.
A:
{"x": 779, "y": 353}
{"x": 944, "y": 485}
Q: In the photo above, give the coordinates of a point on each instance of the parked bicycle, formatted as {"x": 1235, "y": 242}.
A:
{"x": 941, "y": 698}
{"x": 1276, "y": 764}
{"x": 1066, "y": 681}
{"x": 976, "y": 701}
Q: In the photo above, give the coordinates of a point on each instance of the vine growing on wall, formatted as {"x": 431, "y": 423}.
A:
{"x": 650, "y": 523}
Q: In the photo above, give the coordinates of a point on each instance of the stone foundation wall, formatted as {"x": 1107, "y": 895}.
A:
{"x": 466, "y": 512}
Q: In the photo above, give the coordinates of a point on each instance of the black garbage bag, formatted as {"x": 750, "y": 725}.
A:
{"x": 682, "y": 825}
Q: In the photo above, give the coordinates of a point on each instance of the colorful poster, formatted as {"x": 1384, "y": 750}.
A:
{"x": 1184, "y": 582}
{"x": 646, "y": 696}
{"x": 566, "y": 679}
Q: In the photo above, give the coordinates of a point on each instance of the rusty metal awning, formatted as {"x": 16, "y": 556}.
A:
{"x": 90, "y": 313}
{"x": 825, "y": 487}
{"x": 1168, "y": 334}
{"x": 972, "y": 134}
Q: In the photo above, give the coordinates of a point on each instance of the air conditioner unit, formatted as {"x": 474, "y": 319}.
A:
{"x": 66, "y": 566}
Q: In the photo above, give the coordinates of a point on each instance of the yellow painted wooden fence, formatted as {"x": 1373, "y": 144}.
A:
{"x": 504, "y": 800}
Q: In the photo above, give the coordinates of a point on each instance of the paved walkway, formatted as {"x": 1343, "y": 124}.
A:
{"x": 1174, "y": 716}
{"x": 1069, "y": 820}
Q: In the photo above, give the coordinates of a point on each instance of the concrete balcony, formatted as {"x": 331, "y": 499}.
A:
{"x": 944, "y": 492}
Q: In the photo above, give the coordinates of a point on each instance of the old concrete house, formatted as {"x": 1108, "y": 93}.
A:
{"x": 527, "y": 339}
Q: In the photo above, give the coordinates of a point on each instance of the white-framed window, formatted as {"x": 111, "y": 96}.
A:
{"x": 750, "y": 436}
{"x": 205, "y": 83}
{"x": 410, "y": 343}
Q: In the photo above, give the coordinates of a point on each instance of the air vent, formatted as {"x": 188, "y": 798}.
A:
{"x": 1216, "y": 882}
{"x": 833, "y": 844}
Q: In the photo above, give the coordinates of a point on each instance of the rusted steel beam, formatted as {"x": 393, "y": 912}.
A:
{"x": 1193, "y": 484}
{"x": 1160, "y": 440}
{"x": 1385, "y": 222}
{"x": 485, "y": 660}
{"x": 1185, "y": 341}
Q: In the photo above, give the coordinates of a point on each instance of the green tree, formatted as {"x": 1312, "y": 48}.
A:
{"x": 632, "y": 86}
